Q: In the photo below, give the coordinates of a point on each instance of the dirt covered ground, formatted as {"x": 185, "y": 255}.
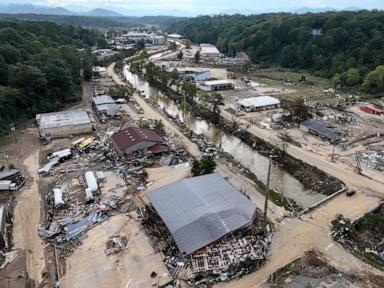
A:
{"x": 312, "y": 270}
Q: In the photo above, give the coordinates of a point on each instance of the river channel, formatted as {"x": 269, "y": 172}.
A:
{"x": 281, "y": 180}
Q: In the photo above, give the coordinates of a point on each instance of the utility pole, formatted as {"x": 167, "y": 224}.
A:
{"x": 13, "y": 130}
{"x": 185, "y": 110}
{"x": 267, "y": 192}
{"x": 333, "y": 152}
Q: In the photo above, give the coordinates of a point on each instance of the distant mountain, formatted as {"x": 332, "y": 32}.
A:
{"x": 99, "y": 12}
{"x": 34, "y": 9}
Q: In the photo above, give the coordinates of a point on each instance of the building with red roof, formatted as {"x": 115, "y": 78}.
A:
{"x": 130, "y": 140}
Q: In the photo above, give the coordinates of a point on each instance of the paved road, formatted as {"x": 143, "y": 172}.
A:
{"x": 293, "y": 237}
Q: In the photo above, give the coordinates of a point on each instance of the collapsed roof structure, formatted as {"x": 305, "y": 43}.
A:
{"x": 201, "y": 210}
{"x": 322, "y": 129}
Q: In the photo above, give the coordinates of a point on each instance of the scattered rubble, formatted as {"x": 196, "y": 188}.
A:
{"x": 312, "y": 270}
{"x": 233, "y": 256}
{"x": 364, "y": 237}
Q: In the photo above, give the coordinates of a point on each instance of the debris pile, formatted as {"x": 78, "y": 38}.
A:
{"x": 116, "y": 244}
{"x": 363, "y": 237}
{"x": 233, "y": 256}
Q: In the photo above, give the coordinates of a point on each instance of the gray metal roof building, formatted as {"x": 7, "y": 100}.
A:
{"x": 201, "y": 210}
{"x": 64, "y": 123}
{"x": 106, "y": 105}
{"x": 322, "y": 129}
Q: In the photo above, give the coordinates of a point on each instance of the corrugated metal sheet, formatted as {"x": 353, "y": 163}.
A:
{"x": 323, "y": 129}
{"x": 131, "y": 136}
{"x": 200, "y": 210}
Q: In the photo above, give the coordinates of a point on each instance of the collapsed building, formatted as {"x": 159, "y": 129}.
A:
{"x": 11, "y": 179}
{"x": 259, "y": 103}
{"x": 131, "y": 140}
{"x": 64, "y": 124}
{"x": 322, "y": 129}
{"x": 212, "y": 225}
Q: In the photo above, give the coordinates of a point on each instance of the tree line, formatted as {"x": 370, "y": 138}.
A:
{"x": 40, "y": 67}
{"x": 344, "y": 46}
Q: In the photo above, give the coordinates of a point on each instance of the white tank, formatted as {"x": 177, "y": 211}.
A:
{"x": 58, "y": 196}
{"x": 91, "y": 181}
{"x": 88, "y": 194}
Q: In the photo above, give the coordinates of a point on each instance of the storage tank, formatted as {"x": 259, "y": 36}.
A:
{"x": 58, "y": 196}
{"x": 91, "y": 180}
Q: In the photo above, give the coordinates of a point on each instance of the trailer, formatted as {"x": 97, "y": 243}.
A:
{"x": 7, "y": 185}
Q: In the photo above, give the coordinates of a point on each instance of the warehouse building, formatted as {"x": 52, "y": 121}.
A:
{"x": 321, "y": 129}
{"x": 64, "y": 124}
{"x": 259, "y": 103}
{"x": 195, "y": 74}
{"x": 208, "y": 50}
{"x": 215, "y": 85}
{"x": 105, "y": 106}
{"x": 131, "y": 140}
{"x": 201, "y": 210}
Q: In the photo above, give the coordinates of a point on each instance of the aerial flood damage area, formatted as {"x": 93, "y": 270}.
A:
{"x": 180, "y": 166}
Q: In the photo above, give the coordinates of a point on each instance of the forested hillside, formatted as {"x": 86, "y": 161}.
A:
{"x": 99, "y": 22}
{"x": 40, "y": 67}
{"x": 343, "y": 45}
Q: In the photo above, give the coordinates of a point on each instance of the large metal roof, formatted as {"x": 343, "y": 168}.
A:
{"x": 324, "y": 129}
{"x": 260, "y": 101}
{"x": 200, "y": 210}
{"x": 64, "y": 118}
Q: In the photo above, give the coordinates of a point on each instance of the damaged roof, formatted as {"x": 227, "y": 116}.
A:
{"x": 8, "y": 174}
{"x": 128, "y": 137}
{"x": 200, "y": 210}
{"x": 324, "y": 129}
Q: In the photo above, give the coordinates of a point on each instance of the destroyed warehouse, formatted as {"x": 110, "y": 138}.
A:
{"x": 321, "y": 129}
{"x": 214, "y": 227}
{"x": 130, "y": 140}
{"x": 64, "y": 124}
{"x": 105, "y": 106}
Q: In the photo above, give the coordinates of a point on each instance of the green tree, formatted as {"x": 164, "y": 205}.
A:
{"x": 336, "y": 80}
{"x": 190, "y": 91}
{"x": 375, "y": 79}
{"x": 298, "y": 109}
{"x": 159, "y": 127}
{"x": 180, "y": 55}
{"x": 197, "y": 57}
{"x": 188, "y": 44}
{"x": 352, "y": 77}
{"x": 206, "y": 165}
{"x": 172, "y": 46}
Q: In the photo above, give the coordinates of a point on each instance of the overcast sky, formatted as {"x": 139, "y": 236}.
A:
{"x": 207, "y": 6}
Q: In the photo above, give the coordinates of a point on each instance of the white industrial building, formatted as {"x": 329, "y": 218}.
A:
{"x": 208, "y": 50}
{"x": 64, "y": 124}
{"x": 143, "y": 36}
{"x": 259, "y": 103}
{"x": 215, "y": 85}
{"x": 195, "y": 74}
